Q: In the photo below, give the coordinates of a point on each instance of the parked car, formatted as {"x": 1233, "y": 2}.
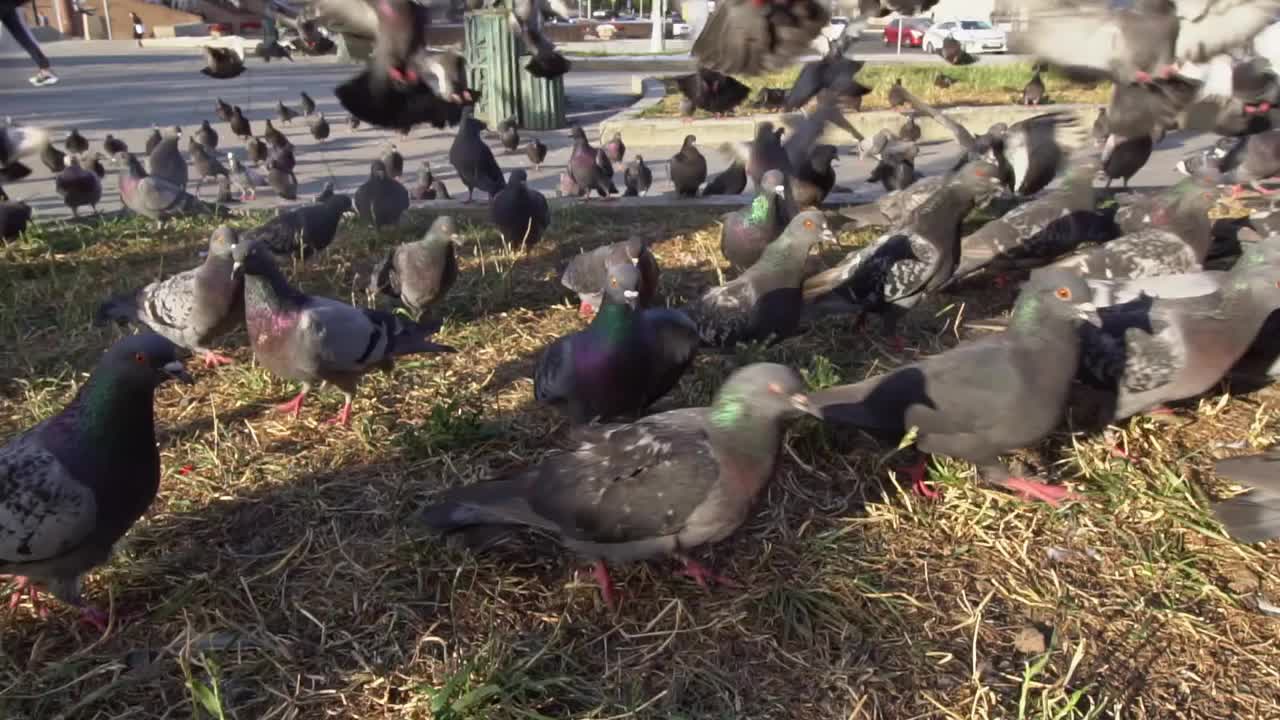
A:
{"x": 975, "y": 36}
{"x": 680, "y": 29}
{"x": 914, "y": 35}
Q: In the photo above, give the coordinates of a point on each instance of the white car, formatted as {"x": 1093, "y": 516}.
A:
{"x": 975, "y": 36}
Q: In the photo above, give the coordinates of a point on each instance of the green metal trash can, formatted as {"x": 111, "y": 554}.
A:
{"x": 541, "y": 101}
{"x": 490, "y": 49}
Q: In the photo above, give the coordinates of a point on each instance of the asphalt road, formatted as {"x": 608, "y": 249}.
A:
{"x": 118, "y": 88}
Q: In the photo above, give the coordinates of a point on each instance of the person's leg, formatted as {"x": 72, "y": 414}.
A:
{"x": 12, "y": 21}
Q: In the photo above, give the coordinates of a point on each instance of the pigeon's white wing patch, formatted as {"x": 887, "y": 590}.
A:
{"x": 1211, "y": 27}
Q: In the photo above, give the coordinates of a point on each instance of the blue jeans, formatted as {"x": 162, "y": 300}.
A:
{"x": 12, "y": 22}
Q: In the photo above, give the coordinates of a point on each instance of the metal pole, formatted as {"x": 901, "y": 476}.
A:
{"x": 657, "y": 36}
{"x": 106, "y": 13}
{"x": 901, "y": 32}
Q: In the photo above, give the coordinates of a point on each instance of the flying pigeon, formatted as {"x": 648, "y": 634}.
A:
{"x": 743, "y": 37}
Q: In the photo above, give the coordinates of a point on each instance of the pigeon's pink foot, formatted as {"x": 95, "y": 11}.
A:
{"x": 294, "y": 406}
{"x": 704, "y": 576}
{"x": 1159, "y": 410}
{"x": 1236, "y": 191}
{"x": 1031, "y": 490}
{"x": 585, "y": 310}
{"x": 1262, "y": 190}
{"x": 921, "y": 487}
{"x": 213, "y": 359}
{"x": 23, "y": 585}
{"x": 1001, "y": 280}
{"x": 95, "y": 617}
{"x": 1168, "y": 71}
{"x": 1142, "y": 76}
{"x": 343, "y": 417}
{"x": 610, "y": 595}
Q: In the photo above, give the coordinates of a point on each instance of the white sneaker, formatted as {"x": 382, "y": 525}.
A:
{"x": 44, "y": 77}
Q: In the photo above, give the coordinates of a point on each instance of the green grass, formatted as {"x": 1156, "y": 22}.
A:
{"x": 278, "y": 573}
{"x": 978, "y": 84}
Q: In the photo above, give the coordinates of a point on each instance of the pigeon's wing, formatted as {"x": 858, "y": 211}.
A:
{"x": 356, "y": 16}
{"x": 1210, "y": 27}
{"x": 553, "y": 377}
{"x": 963, "y": 136}
{"x": 1255, "y": 516}
{"x": 44, "y": 512}
{"x": 166, "y": 305}
{"x": 745, "y": 37}
{"x": 342, "y": 338}
{"x": 1077, "y": 35}
{"x": 723, "y": 312}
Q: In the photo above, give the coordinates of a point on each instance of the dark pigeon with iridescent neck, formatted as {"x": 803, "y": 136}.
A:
{"x": 311, "y": 339}
{"x": 745, "y": 233}
{"x": 663, "y": 485}
{"x": 765, "y": 302}
{"x": 624, "y": 361}
{"x": 419, "y": 273}
{"x": 982, "y": 398}
{"x": 77, "y": 482}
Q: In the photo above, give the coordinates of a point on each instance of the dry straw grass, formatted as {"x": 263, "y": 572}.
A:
{"x": 276, "y": 576}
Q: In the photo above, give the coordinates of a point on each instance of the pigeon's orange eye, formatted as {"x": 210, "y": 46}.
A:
{"x": 775, "y": 388}
{"x": 1063, "y": 293}
{"x": 140, "y": 358}
{"x": 808, "y": 224}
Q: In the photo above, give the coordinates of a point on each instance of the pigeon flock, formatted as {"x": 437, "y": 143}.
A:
{"x": 1121, "y": 297}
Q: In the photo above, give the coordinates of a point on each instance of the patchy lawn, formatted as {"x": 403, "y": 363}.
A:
{"x": 277, "y": 575}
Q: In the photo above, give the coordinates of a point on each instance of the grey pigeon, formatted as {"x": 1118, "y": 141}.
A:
{"x": 616, "y": 149}
{"x": 273, "y": 137}
{"x": 393, "y": 161}
{"x": 712, "y": 91}
{"x": 520, "y": 213}
{"x": 165, "y": 161}
{"x": 191, "y": 309}
{"x": 256, "y": 151}
{"x": 894, "y": 208}
{"x": 730, "y": 181}
{"x": 910, "y": 131}
{"x": 53, "y": 158}
{"x": 206, "y": 136}
{"x": 584, "y": 168}
{"x": 688, "y": 168}
{"x": 419, "y": 273}
{"x": 1101, "y": 128}
{"x": 1175, "y": 240}
{"x": 474, "y": 161}
{"x": 587, "y": 273}
{"x": 222, "y": 63}
{"x": 206, "y": 165}
{"x": 424, "y": 190}
{"x": 283, "y": 158}
{"x": 284, "y": 182}
{"x": 76, "y": 482}
{"x": 1252, "y": 159}
{"x": 897, "y": 270}
{"x": 897, "y": 94}
{"x": 766, "y": 153}
{"x": 1155, "y": 350}
{"x": 312, "y": 339}
{"x": 637, "y": 177}
{"x": 624, "y": 361}
{"x": 1036, "y": 232}
{"x": 745, "y": 233}
{"x": 509, "y": 134}
{"x": 442, "y": 191}
{"x": 326, "y": 192}
{"x": 381, "y": 200}
{"x": 302, "y": 231}
{"x": 240, "y": 126}
{"x": 285, "y": 113}
{"x": 78, "y": 187}
{"x": 1254, "y": 516}
{"x": 151, "y": 196}
{"x": 985, "y": 397}
{"x": 222, "y": 109}
{"x": 75, "y": 143}
{"x": 246, "y": 181}
{"x": 765, "y": 302}
{"x": 1033, "y": 92}
{"x": 606, "y": 170}
{"x": 536, "y": 151}
{"x": 224, "y": 195}
{"x": 319, "y": 127}
{"x": 153, "y": 140}
{"x": 113, "y": 146}
{"x": 813, "y": 180}
{"x": 663, "y": 485}
{"x": 1122, "y": 158}
{"x": 308, "y": 105}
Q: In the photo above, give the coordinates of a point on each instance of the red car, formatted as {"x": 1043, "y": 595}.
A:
{"x": 914, "y": 35}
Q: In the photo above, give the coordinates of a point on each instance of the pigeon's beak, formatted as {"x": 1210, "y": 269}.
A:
{"x": 1086, "y": 311}
{"x": 827, "y": 235}
{"x": 176, "y": 371}
{"x": 801, "y": 402}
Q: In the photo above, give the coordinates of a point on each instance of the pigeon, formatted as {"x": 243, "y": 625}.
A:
{"x": 353, "y": 122}
{"x": 256, "y": 151}
{"x": 206, "y": 136}
{"x": 509, "y": 134}
{"x": 273, "y": 49}
{"x": 585, "y": 168}
{"x": 1254, "y": 516}
{"x": 730, "y": 181}
{"x": 222, "y": 63}
{"x": 712, "y": 91}
{"x": 1175, "y": 240}
{"x": 151, "y": 196}
{"x": 616, "y": 149}
{"x": 953, "y": 52}
{"x": 53, "y": 158}
{"x": 474, "y": 161}
{"x": 1033, "y": 91}
{"x": 153, "y": 140}
{"x": 1041, "y": 230}
{"x": 985, "y": 397}
{"x": 246, "y": 181}
{"x": 76, "y": 482}
{"x": 319, "y": 126}
{"x": 895, "y": 271}
{"x": 606, "y": 170}
{"x": 224, "y": 196}
{"x": 113, "y": 146}
{"x": 898, "y": 95}
{"x": 770, "y": 99}
{"x": 302, "y": 231}
{"x": 813, "y": 180}
{"x": 765, "y": 302}
{"x": 442, "y": 192}
{"x": 393, "y": 161}
{"x": 17, "y": 142}
{"x": 166, "y": 161}
{"x": 14, "y": 217}
{"x": 536, "y": 152}
{"x": 544, "y": 62}
{"x": 78, "y": 187}
{"x": 1155, "y": 350}
{"x": 520, "y": 213}
{"x": 425, "y": 189}
{"x": 191, "y": 309}
{"x": 239, "y": 123}
{"x": 624, "y": 361}
{"x": 741, "y": 37}
{"x": 637, "y": 177}
{"x": 285, "y": 113}
{"x": 308, "y": 105}
{"x": 1101, "y": 128}
{"x": 1123, "y": 158}
{"x": 311, "y": 339}
{"x": 688, "y": 168}
{"x": 895, "y": 161}
{"x": 274, "y": 138}
{"x": 567, "y": 186}
{"x": 419, "y": 273}
{"x": 910, "y": 131}
{"x": 745, "y": 233}
{"x": 223, "y": 110}
{"x": 943, "y": 81}
{"x": 96, "y": 166}
{"x": 284, "y": 182}
{"x": 75, "y": 143}
{"x": 895, "y": 207}
{"x": 833, "y": 73}
{"x": 665, "y": 484}
{"x": 587, "y": 273}
{"x": 381, "y": 200}
{"x": 1251, "y": 160}
{"x": 687, "y": 109}
{"x": 325, "y": 193}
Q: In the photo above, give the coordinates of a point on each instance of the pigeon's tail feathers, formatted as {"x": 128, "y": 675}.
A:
{"x": 496, "y": 502}
{"x": 867, "y": 215}
{"x": 547, "y": 63}
{"x": 1253, "y": 516}
{"x": 412, "y": 338}
{"x": 121, "y": 309}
